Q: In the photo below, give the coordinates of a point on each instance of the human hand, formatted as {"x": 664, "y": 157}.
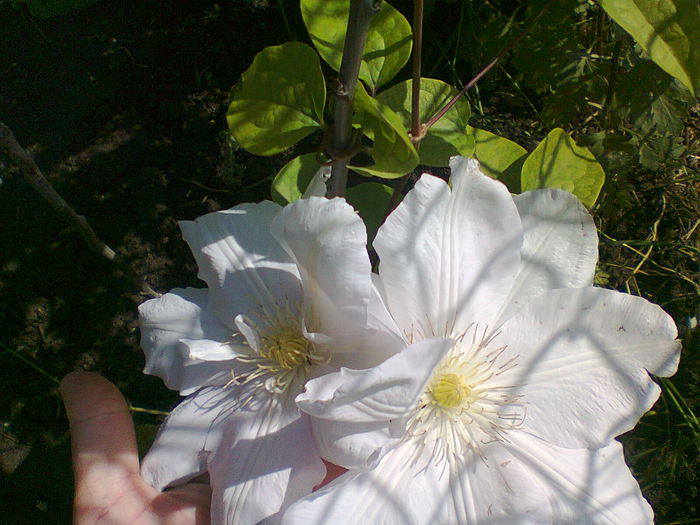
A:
{"x": 108, "y": 487}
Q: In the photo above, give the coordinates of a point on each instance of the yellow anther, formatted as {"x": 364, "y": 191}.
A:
{"x": 286, "y": 347}
{"x": 449, "y": 390}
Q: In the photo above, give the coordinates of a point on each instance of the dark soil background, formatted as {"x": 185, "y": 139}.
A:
{"x": 123, "y": 107}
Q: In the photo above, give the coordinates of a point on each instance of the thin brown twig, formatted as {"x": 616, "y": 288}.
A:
{"x": 33, "y": 174}
{"x": 36, "y": 178}
{"x": 486, "y": 68}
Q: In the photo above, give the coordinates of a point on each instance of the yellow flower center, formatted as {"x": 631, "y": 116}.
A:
{"x": 287, "y": 347}
{"x": 449, "y": 390}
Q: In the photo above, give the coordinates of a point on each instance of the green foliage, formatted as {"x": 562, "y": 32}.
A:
{"x": 371, "y": 200}
{"x": 388, "y": 45}
{"x": 279, "y": 99}
{"x": 558, "y": 162}
{"x": 392, "y": 151}
{"x": 448, "y": 136}
{"x": 496, "y": 154}
{"x": 668, "y": 30}
{"x": 291, "y": 181}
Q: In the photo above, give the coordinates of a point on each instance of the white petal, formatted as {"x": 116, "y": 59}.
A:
{"x": 181, "y": 314}
{"x": 188, "y": 436}
{"x": 327, "y": 239}
{"x": 246, "y": 269}
{"x": 583, "y": 362}
{"x": 209, "y": 350}
{"x": 317, "y": 185}
{"x": 266, "y": 460}
{"x": 560, "y": 245}
{"x": 448, "y": 258}
{"x": 579, "y": 486}
{"x": 355, "y": 445}
{"x": 393, "y": 493}
{"x": 385, "y": 392}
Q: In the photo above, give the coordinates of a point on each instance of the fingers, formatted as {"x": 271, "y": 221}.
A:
{"x": 102, "y": 432}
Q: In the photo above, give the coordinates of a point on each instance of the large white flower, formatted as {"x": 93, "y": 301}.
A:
{"x": 520, "y": 374}
{"x": 289, "y": 297}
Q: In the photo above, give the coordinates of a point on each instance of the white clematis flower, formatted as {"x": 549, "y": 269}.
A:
{"x": 519, "y": 375}
{"x": 289, "y": 297}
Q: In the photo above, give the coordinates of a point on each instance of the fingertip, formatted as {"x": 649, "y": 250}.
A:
{"x": 102, "y": 431}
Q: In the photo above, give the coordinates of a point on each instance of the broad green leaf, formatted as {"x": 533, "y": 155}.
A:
{"x": 448, "y": 136}
{"x": 371, "y": 200}
{"x": 668, "y": 30}
{"x": 291, "y": 181}
{"x": 558, "y": 162}
{"x": 392, "y": 151}
{"x": 495, "y": 153}
{"x": 279, "y": 99}
{"x": 388, "y": 45}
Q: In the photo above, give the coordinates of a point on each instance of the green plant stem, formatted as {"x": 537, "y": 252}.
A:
{"x": 416, "y": 128}
{"x": 30, "y": 363}
{"x": 361, "y": 12}
{"x": 487, "y": 68}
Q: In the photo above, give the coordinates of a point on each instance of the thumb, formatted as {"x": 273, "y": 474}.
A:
{"x": 102, "y": 432}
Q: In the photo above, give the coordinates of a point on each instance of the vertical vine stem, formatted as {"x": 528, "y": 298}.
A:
{"x": 361, "y": 12}
{"x": 416, "y": 131}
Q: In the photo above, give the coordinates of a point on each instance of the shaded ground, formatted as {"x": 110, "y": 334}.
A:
{"x": 123, "y": 106}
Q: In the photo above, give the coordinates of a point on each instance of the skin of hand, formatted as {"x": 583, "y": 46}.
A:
{"x": 108, "y": 487}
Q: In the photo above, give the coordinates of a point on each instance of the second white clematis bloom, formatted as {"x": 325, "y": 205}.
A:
{"x": 289, "y": 298}
{"x": 513, "y": 419}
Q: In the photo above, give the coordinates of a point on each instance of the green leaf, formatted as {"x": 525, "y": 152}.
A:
{"x": 291, "y": 181}
{"x": 448, "y": 136}
{"x": 371, "y": 200}
{"x": 392, "y": 151}
{"x": 668, "y": 30}
{"x": 494, "y": 153}
{"x": 279, "y": 99}
{"x": 388, "y": 45}
{"x": 558, "y": 162}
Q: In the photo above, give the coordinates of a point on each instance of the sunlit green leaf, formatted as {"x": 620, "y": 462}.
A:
{"x": 292, "y": 180}
{"x": 668, "y": 30}
{"x": 388, "y": 45}
{"x": 392, "y": 151}
{"x": 279, "y": 99}
{"x": 558, "y": 162}
{"x": 448, "y": 136}
{"x": 495, "y": 153}
{"x": 371, "y": 200}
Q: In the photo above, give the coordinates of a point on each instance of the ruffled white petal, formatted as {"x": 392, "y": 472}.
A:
{"x": 354, "y": 445}
{"x": 391, "y": 494}
{"x": 385, "y": 392}
{"x": 524, "y": 482}
{"x": 165, "y": 321}
{"x": 267, "y": 460}
{"x": 560, "y": 246}
{"x": 190, "y": 434}
{"x": 327, "y": 240}
{"x": 582, "y": 362}
{"x": 448, "y": 257}
{"x": 245, "y": 268}
{"x": 209, "y": 350}
{"x": 579, "y": 486}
